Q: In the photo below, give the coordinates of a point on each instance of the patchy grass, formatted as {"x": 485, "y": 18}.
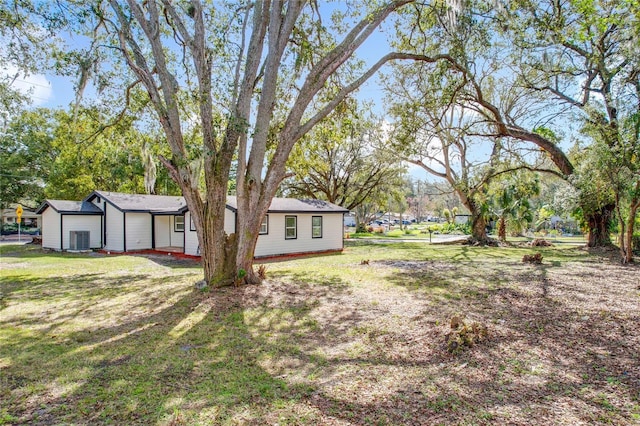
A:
{"x": 91, "y": 339}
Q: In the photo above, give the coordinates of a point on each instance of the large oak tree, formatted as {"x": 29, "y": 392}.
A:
{"x": 249, "y": 77}
{"x": 344, "y": 160}
{"x": 530, "y": 68}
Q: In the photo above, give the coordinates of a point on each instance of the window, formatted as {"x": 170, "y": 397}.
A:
{"x": 264, "y": 226}
{"x": 178, "y": 223}
{"x": 316, "y": 227}
{"x": 291, "y": 227}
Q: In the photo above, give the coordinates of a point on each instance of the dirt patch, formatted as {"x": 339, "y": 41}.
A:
{"x": 562, "y": 346}
{"x": 327, "y": 341}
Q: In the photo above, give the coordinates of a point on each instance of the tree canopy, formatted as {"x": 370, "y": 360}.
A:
{"x": 255, "y": 93}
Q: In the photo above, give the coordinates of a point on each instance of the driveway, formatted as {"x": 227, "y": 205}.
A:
{"x": 13, "y": 239}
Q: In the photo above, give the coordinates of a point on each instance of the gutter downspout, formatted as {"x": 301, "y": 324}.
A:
{"x": 61, "y": 232}
{"x": 124, "y": 231}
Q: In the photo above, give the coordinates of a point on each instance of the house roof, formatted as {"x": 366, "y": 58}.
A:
{"x": 168, "y": 204}
{"x": 26, "y": 213}
{"x": 292, "y": 205}
{"x": 70, "y": 207}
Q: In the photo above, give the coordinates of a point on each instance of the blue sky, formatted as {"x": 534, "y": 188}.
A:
{"x": 58, "y": 92}
{"x": 54, "y": 91}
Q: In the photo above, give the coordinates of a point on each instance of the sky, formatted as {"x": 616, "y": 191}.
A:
{"x": 39, "y": 87}
{"x": 56, "y": 91}
{"x": 53, "y": 91}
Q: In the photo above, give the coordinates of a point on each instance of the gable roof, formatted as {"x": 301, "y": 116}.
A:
{"x": 171, "y": 204}
{"x": 292, "y": 205}
{"x": 168, "y": 204}
{"x": 70, "y": 207}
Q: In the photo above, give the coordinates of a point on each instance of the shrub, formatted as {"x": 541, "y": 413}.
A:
{"x": 449, "y": 228}
{"x": 635, "y": 242}
{"x": 12, "y": 228}
{"x": 361, "y": 228}
{"x": 536, "y": 259}
{"x": 262, "y": 272}
{"x": 464, "y": 333}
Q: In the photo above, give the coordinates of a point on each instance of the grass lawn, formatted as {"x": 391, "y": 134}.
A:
{"x": 93, "y": 339}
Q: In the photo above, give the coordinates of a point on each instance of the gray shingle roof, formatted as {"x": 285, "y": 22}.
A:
{"x": 292, "y": 205}
{"x": 142, "y": 202}
{"x": 169, "y": 204}
{"x": 70, "y": 207}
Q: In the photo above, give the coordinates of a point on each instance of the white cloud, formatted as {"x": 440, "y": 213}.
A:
{"x": 36, "y": 86}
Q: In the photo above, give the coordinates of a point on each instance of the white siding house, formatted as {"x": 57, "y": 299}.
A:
{"x": 119, "y": 222}
{"x": 71, "y": 225}
{"x": 169, "y": 231}
{"x": 113, "y": 228}
{"x": 290, "y": 227}
{"x": 137, "y": 231}
{"x": 136, "y": 222}
{"x": 51, "y": 222}
{"x": 280, "y": 239}
{"x": 191, "y": 244}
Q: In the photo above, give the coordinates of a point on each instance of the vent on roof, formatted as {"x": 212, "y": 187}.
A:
{"x": 79, "y": 240}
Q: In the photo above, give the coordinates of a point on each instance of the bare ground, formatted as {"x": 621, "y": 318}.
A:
{"x": 563, "y": 345}
{"x": 326, "y": 341}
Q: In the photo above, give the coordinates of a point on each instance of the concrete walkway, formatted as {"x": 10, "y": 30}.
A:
{"x": 13, "y": 239}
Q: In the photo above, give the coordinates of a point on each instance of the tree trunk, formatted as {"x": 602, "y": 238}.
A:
{"x": 502, "y": 229}
{"x": 478, "y": 228}
{"x": 218, "y": 260}
{"x": 627, "y": 243}
{"x": 217, "y": 249}
{"x": 247, "y": 240}
{"x": 598, "y": 223}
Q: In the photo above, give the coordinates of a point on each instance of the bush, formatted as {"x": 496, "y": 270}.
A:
{"x": 361, "y": 228}
{"x": 12, "y": 228}
{"x": 464, "y": 333}
{"x": 635, "y": 242}
{"x": 451, "y": 228}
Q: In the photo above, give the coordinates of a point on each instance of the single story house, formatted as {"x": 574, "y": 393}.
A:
{"x": 117, "y": 222}
{"x": 29, "y": 217}
{"x": 71, "y": 225}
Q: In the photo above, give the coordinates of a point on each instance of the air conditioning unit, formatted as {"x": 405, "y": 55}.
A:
{"x": 79, "y": 240}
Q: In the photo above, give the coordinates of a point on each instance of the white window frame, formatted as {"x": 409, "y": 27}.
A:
{"x": 316, "y": 226}
{"x": 287, "y": 228}
{"x": 264, "y": 226}
{"x": 178, "y": 223}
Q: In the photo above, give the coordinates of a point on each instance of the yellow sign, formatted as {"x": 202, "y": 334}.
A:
{"x": 19, "y": 212}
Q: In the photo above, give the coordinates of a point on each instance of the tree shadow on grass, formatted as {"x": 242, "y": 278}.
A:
{"x": 166, "y": 260}
{"x": 201, "y": 357}
{"x": 306, "y": 350}
{"x": 171, "y": 261}
{"x": 545, "y": 355}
